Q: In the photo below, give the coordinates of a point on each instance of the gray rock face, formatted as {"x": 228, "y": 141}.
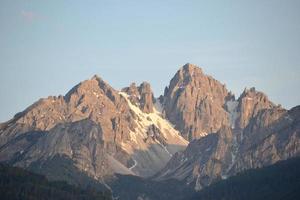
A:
{"x": 93, "y": 99}
{"x": 250, "y": 103}
{"x": 81, "y": 141}
{"x": 195, "y": 103}
{"x": 100, "y": 131}
{"x": 87, "y": 125}
{"x": 154, "y": 133}
{"x": 141, "y": 96}
{"x": 96, "y": 128}
{"x": 245, "y": 133}
{"x": 271, "y": 136}
{"x": 203, "y": 161}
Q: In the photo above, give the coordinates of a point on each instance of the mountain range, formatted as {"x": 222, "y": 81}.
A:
{"x": 195, "y": 134}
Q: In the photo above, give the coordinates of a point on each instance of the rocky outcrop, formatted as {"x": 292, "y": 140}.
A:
{"x": 195, "y": 103}
{"x": 245, "y": 133}
{"x": 271, "y": 136}
{"x": 133, "y": 94}
{"x": 203, "y": 161}
{"x": 93, "y": 99}
{"x": 101, "y": 131}
{"x": 88, "y": 123}
{"x": 154, "y": 133}
{"x": 250, "y": 103}
{"x": 96, "y": 127}
{"x": 147, "y": 98}
{"x": 141, "y": 96}
{"x": 81, "y": 141}
{"x": 154, "y": 141}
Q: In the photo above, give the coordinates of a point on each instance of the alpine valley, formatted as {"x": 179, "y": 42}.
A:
{"x": 186, "y": 144}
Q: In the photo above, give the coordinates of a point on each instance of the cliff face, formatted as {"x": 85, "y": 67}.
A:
{"x": 141, "y": 96}
{"x": 93, "y": 99}
{"x": 233, "y": 134}
{"x": 249, "y": 104}
{"x": 96, "y": 127}
{"x": 100, "y": 131}
{"x": 194, "y": 103}
{"x": 272, "y": 135}
{"x": 203, "y": 161}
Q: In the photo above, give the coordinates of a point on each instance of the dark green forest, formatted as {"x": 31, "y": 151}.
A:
{"x": 280, "y": 181}
{"x": 19, "y": 184}
{"x": 133, "y": 187}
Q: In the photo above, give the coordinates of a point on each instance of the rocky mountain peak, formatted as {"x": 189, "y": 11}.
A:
{"x": 190, "y": 70}
{"x": 271, "y": 135}
{"x": 185, "y": 75}
{"x": 85, "y": 87}
{"x": 253, "y": 93}
{"x": 194, "y": 102}
{"x": 141, "y": 96}
{"x": 96, "y": 77}
{"x": 90, "y": 90}
{"x": 102, "y": 131}
{"x": 133, "y": 90}
{"x": 147, "y": 98}
{"x": 251, "y": 102}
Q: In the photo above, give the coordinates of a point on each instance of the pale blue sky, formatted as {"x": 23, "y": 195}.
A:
{"x": 46, "y": 47}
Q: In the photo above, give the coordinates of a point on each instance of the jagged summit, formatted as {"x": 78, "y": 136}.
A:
{"x": 194, "y": 102}
{"x": 141, "y": 96}
{"x": 98, "y": 127}
{"x": 188, "y": 73}
{"x": 250, "y": 103}
{"x": 190, "y": 68}
{"x": 96, "y": 77}
{"x": 253, "y": 93}
{"x": 102, "y": 131}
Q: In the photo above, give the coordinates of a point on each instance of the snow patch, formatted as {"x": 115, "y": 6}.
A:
{"x": 134, "y": 165}
{"x": 198, "y": 185}
{"x": 158, "y": 107}
{"x": 138, "y": 142}
{"x": 203, "y": 134}
{"x": 165, "y": 148}
{"x": 288, "y": 118}
{"x": 166, "y": 128}
{"x": 224, "y": 177}
{"x": 208, "y": 149}
{"x": 118, "y": 167}
{"x": 234, "y": 152}
{"x": 232, "y": 110}
{"x": 97, "y": 95}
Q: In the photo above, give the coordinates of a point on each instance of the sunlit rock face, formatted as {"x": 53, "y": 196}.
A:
{"x": 250, "y": 103}
{"x": 100, "y": 130}
{"x": 271, "y": 134}
{"x": 197, "y": 132}
{"x": 195, "y": 103}
{"x": 141, "y": 96}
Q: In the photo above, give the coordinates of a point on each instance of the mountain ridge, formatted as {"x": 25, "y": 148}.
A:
{"x": 196, "y": 132}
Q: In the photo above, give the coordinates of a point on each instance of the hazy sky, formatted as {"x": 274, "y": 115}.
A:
{"x": 46, "y": 47}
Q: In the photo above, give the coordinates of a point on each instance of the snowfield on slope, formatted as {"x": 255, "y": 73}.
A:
{"x": 149, "y": 157}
